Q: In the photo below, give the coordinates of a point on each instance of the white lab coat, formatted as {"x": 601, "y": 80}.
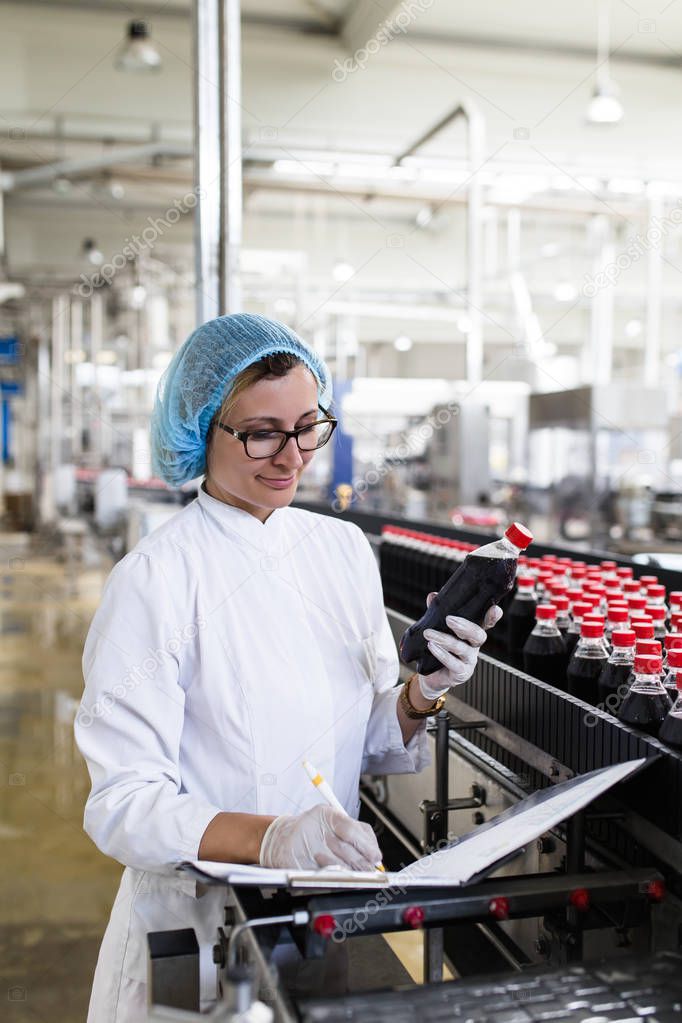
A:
{"x": 224, "y": 651}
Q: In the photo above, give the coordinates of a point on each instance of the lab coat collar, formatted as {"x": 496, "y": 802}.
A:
{"x": 262, "y": 535}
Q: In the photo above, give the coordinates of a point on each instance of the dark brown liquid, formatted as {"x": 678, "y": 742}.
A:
{"x": 671, "y": 731}
{"x": 544, "y": 657}
{"x": 583, "y": 677}
{"x": 645, "y": 711}
{"x": 477, "y": 584}
{"x": 612, "y": 677}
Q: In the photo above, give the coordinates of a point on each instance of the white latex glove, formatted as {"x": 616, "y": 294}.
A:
{"x": 319, "y": 837}
{"x": 457, "y": 651}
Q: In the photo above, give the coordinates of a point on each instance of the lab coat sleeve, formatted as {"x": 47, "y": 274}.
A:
{"x": 384, "y": 750}
{"x": 130, "y": 720}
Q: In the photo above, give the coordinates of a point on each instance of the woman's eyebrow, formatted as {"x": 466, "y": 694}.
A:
{"x": 273, "y": 419}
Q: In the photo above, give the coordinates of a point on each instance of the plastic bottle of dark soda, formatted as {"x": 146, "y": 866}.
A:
{"x": 674, "y": 672}
{"x": 616, "y": 671}
{"x": 580, "y": 608}
{"x": 482, "y": 579}
{"x": 671, "y": 729}
{"x": 544, "y": 652}
{"x": 521, "y": 617}
{"x": 587, "y": 662}
{"x": 647, "y": 703}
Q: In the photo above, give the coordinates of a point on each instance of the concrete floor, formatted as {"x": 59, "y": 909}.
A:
{"x": 56, "y": 888}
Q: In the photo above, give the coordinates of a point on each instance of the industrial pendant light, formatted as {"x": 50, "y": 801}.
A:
{"x": 605, "y": 106}
{"x": 138, "y": 52}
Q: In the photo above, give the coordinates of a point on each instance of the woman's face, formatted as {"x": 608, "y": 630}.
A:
{"x": 261, "y": 485}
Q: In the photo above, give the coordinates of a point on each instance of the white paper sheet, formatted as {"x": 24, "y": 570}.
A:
{"x": 468, "y": 858}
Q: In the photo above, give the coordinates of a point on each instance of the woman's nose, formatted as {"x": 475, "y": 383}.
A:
{"x": 290, "y": 455}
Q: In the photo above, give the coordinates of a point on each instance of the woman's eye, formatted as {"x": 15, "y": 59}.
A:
{"x": 263, "y": 435}
{"x": 307, "y": 429}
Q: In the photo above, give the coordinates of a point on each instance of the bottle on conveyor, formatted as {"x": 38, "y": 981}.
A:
{"x": 616, "y": 619}
{"x": 482, "y": 579}
{"x": 616, "y": 672}
{"x": 521, "y": 618}
{"x": 671, "y": 729}
{"x": 673, "y": 674}
{"x": 587, "y": 662}
{"x": 563, "y": 618}
{"x": 544, "y": 652}
{"x": 646, "y": 705}
{"x": 580, "y": 609}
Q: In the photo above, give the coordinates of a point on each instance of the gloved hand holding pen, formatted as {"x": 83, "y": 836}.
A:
{"x": 320, "y": 837}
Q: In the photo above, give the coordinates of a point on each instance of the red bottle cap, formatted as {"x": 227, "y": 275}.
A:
{"x": 645, "y": 665}
{"x": 676, "y": 620}
{"x": 655, "y": 590}
{"x": 592, "y": 599}
{"x": 592, "y": 619}
{"x": 544, "y": 612}
{"x": 578, "y": 572}
{"x": 631, "y": 586}
{"x": 591, "y": 630}
{"x": 625, "y": 637}
{"x": 656, "y": 611}
{"x": 675, "y": 598}
{"x": 624, "y": 572}
{"x": 648, "y": 647}
{"x": 647, "y": 580}
{"x": 675, "y": 661}
{"x": 598, "y": 588}
{"x": 525, "y": 580}
{"x": 673, "y": 641}
{"x": 560, "y": 601}
{"x": 618, "y": 614}
{"x": 617, "y": 604}
{"x": 574, "y": 593}
{"x": 519, "y": 535}
{"x": 637, "y": 603}
{"x": 643, "y": 630}
{"x": 580, "y": 608}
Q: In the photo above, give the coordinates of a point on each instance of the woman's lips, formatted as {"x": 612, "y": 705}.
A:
{"x": 278, "y": 483}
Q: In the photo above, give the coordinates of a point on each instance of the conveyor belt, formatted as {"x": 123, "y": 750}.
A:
{"x": 625, "y": 991}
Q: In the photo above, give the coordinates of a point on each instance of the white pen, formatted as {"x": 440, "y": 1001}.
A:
{"x": 327, "y": 793}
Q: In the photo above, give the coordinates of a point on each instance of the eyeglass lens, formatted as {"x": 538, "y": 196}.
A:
{"x": 267, "y": 442}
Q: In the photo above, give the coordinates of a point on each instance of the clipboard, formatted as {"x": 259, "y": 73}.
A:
{"x": 469, "y": 859}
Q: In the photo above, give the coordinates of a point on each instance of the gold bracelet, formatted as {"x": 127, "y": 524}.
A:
{"x": 413, "y": 712}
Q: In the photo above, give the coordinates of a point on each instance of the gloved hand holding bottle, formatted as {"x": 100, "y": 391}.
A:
{"x": 319, "y": 837}
{"x": 456, "y": 650}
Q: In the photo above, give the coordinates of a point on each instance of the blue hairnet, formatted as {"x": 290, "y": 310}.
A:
{"x": 199, "y": 376}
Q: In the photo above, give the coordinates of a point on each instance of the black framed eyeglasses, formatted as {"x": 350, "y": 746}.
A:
{"x": 266, "y": 443}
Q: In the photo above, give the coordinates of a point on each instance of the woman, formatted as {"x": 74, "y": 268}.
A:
{"x": 239, "y": 638}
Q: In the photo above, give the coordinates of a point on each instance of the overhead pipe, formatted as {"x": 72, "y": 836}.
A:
{"x": 475, "y": 145}
{"x": 12, "y": 181}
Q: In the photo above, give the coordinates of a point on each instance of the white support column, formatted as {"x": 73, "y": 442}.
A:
{"x": 652, "y": 340}
{"x": 217, "y": 156}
